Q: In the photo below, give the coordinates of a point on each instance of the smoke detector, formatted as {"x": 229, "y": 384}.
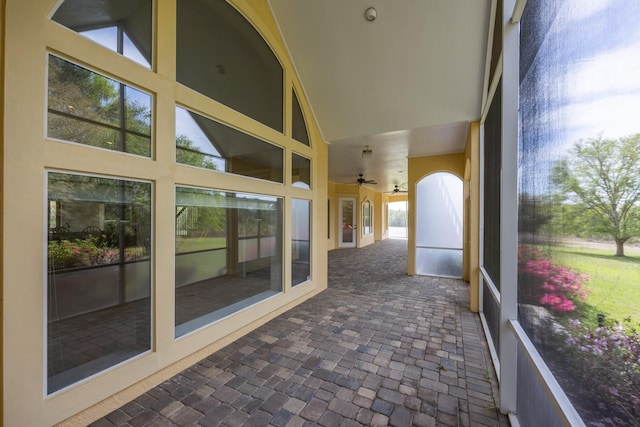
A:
{"x": 370, "y": 14}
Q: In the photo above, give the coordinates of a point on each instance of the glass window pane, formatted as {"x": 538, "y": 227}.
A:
{"x": 205, "y": 143}
{"x": 579, "y": 181}
{"x": 222, "y": 56}
{"x": 99, "y": 275}
{"x": 88, "y": 108}
{"x": 301, "y": 171}
{"x": 299, "y": 129}
{"x": 300, "y": 241}
{"x": 228, "y": 254}
{"x": 107, "y": 36}
{"x": 348, "y": 222}
{"x": 439, "y": 211}
{"x": 439, "y": 262}
{"x": 122, "y": 26}
{"x": 366, "y": 218}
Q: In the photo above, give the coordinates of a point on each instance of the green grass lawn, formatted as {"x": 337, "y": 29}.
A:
{"x": 191, "y": 244}
{"x": 614, "y": 284}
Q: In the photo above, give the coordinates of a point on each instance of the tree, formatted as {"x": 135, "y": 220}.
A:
{"x": 187, "y": 153}
{"x": 397, "y": 218}
{"x": 604, "y": 176}
{"x": 533, "y": 213}
{"x": 88, "y": 108}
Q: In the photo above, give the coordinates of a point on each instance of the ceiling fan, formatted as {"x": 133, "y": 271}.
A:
{"x": 361, "y": 180}
{"x": 396, "y": 190}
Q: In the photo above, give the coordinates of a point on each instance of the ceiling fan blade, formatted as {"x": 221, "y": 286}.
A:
{"x": 396, "y": 190}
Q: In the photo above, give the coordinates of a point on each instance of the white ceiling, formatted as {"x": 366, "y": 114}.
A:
{"x": 406, "y": 84}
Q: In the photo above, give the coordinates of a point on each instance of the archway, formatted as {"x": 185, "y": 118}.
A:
{"x": 397, "y": 217}
{"x": 439, "y": 225}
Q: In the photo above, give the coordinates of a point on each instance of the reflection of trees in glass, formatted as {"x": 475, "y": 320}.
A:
{"x": 366, "y": 217}
{"x": 103, "y": 220}
{"x": 200, "y": 220}
{"x": 252, "y": 222}
{"x": 213, "y": 220}
{"x": 188, "y": 154}
{"x": 91, "y": 109}
{"x": 200, "y": 227}
{"x": 347, "y": 212}
{"x": 603, "y": 176}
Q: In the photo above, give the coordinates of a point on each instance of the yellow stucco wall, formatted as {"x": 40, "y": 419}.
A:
{"x": 365, "y": 194}
{"x": 28, "y": 154}
{"x": 381, "y": 231}
{"x": 336, "y": 191}
{"x": 2, "y": 13}
{"x": 361, "y": 194}
{"x": 472, "y": 213}
{"x": 466, "y": 166}
{"x": 332, "y": 235}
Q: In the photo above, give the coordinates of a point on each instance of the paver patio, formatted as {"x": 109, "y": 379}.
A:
{"x": 376, "y": 348}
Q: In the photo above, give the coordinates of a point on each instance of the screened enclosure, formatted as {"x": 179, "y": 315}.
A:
{"x": 579, "y": 204}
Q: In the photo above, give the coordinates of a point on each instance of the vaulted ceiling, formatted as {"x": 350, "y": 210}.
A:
{"x": 405, "y": 84}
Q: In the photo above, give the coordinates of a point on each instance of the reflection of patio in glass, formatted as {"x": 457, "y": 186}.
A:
{"x": 84, "y": 345}
{"x": 88, "y": 343}
{"x": 201, "y": 303}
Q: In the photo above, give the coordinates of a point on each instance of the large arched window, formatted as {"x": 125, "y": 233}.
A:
{"x": 299, "y": 130}
{"x": 222, "y": 56}
{"x": 124, "y": 27}
{"x": 209, "y": 144}
{"x": 134, "y": 157}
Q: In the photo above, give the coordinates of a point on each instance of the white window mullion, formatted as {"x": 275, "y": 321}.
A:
{"x": 509, "y": 211}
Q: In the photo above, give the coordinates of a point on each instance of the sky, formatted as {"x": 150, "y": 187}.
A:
{"x": 584, "y": 83}
{"x": 603, "y": 84}
{"x": 108, "y": 38}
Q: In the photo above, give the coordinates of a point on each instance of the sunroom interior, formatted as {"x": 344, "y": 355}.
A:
{"x": 184, "y": 169}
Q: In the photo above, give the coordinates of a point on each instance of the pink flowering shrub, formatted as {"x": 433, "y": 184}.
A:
{"x": 606, "y": 361}
{"x": 540, "y": 282}
{"x": 598, "y": 367}
{"x": 65, "y": 254}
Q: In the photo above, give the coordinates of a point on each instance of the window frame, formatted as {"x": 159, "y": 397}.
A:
{"x": 367, "y": 218}
{"x": 46, "y": 283}
{"x": 122, "y": 129}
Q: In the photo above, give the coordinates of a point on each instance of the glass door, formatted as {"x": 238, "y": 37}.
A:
{"x": 347, "y": 231}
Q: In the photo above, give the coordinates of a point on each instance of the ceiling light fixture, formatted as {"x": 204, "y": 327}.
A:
{"x": 367, "y": 153}
{"x": 370, "y": 14}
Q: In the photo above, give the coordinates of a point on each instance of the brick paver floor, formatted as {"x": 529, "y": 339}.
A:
{"x": 377, "y": 348}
